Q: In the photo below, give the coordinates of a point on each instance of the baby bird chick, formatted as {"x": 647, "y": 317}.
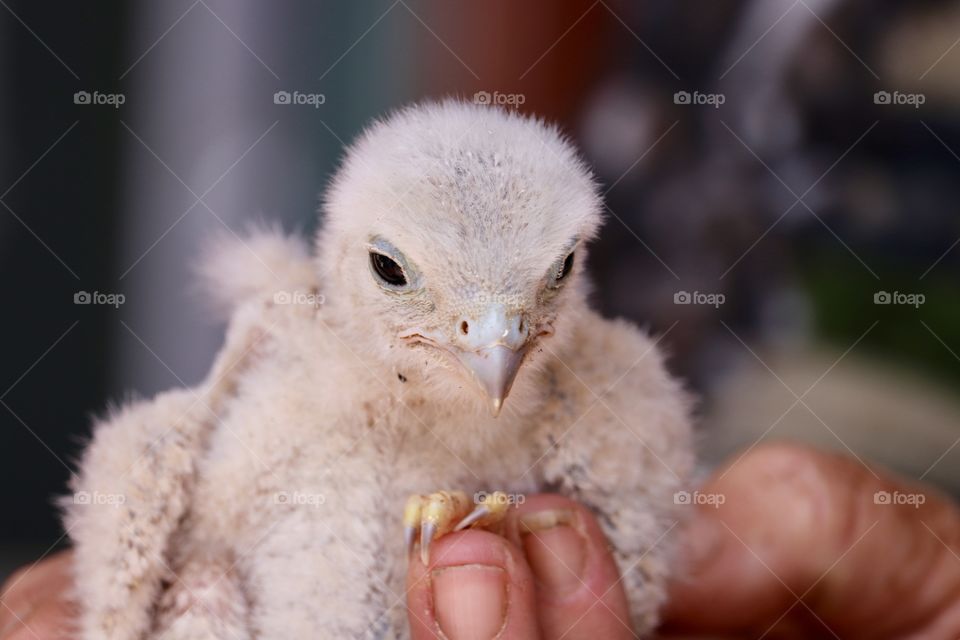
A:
{"x": 435, "y": 342}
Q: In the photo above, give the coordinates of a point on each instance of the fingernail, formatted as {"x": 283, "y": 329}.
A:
{"x": 555, "y": 550}
{"x": 543, "y": 520}
{"x": 470, "y": 601}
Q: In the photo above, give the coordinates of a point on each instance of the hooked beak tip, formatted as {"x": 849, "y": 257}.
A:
{"x": 494, "y": 369}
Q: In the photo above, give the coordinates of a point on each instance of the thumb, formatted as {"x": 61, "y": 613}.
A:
{"x": 477, "y": 586}
{"x": 550, "y": 576}
{"x": 808, "y": 543}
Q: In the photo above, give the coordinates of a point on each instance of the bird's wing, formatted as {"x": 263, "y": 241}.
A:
{"x": 622, "y": 405}
{"x": 263, "y": 265}
{"x": 621, "y": 442}
{"x": 135, "y": 483}
{"x": 132, "y": 488}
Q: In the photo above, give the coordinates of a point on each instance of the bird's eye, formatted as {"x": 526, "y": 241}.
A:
{"x": 559, "y": 271}
{"x": 566, "y": 267}
{"x": 388, "y": 270}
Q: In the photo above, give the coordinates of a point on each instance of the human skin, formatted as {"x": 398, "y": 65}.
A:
{"x": 799, "y": 523}
{"x": 798, "y": 548}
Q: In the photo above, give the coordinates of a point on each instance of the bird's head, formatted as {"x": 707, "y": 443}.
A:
{"x": 454, "y": 240}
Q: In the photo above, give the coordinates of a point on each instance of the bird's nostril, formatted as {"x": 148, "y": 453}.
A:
{"x": 520, "y": 326}
{"x": 464, "y": 327}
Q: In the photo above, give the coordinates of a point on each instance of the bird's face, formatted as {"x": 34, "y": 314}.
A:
{"x": 484, "y": 320}
{"x": 464, "y": 256}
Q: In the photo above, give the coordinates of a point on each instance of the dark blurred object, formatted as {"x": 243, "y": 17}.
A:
{"x": 58, "y": 227}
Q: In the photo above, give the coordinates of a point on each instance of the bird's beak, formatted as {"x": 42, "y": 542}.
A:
{"x": 491, "y": 346}
{"x": 495, "y": 369}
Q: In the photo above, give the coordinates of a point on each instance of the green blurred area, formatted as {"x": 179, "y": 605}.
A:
{"x": 842, "y": 296}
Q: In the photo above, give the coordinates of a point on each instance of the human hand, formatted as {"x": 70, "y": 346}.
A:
{"x": 35, "y": 601}
{"x": 801, "y": 548}
{"x": 555, "y": 581}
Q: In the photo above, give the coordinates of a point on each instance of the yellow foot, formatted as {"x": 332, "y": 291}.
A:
{"x": 439, "y": 513}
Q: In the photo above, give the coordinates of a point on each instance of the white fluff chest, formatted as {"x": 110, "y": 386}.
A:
{"x": 303, "y": 485}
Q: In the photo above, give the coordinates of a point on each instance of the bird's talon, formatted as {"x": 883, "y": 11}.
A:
{"x": 409, "y": 537}
{"x": 479, "y": 512}
{"x": 432, "y": 516}
{"x": 426, "y": 537}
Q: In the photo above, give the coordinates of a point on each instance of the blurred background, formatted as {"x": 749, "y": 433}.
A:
{"x": 781, "y": 180}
